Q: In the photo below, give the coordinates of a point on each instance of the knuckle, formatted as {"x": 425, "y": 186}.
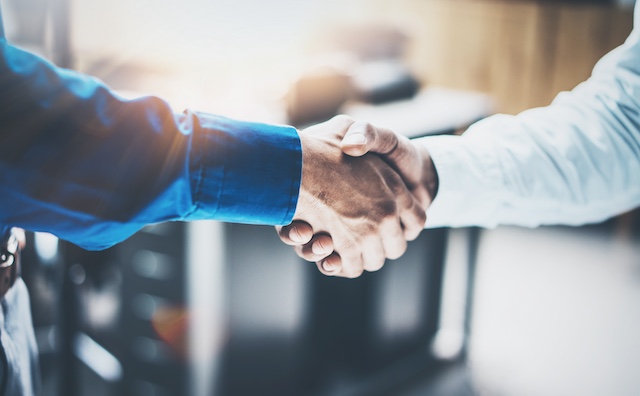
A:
{"x": 414, "y": 222}
{"x": 422, "y": 219}
{"x": 306, "y": 253}
{"x": 398, "y": 250}
{"x": 299, "y": 251}
{"x": 368, "y": 129}
{"x": 352, "y": 270}
{"x": 374, "y": 265}
{"x": 354, "y": 273}
{"x": 411, "y": 233}
{"x": 387, "y": 209}
{"x": 343, "y": 118}
{"x": 398, "y": 187}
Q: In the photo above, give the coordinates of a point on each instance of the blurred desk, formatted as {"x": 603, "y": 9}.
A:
{"x": 433, "y": 111}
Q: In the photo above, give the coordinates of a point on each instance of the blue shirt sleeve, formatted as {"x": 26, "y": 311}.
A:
{"x": 93, "y": 168}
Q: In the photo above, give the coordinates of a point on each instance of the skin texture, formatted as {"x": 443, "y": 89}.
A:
{"x": 360, "y": 208}
{"x": 334, "y": 253}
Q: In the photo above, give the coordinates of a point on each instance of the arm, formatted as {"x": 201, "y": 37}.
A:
{"x": 573, "y": 162}
{"x": 80, "y": 162}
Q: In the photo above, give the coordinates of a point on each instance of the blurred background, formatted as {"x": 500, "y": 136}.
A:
{"x": 220, "y": 309}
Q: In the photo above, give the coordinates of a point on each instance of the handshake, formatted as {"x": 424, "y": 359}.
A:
{"x": 353, "y": 213}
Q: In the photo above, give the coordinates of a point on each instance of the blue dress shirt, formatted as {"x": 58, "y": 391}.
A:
{"x": 78, "y": 161}
{"x": 82, "y": 163}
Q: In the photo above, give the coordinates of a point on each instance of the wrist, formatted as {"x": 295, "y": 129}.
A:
{"x": 315, "y": 163}
{"x": 429, "y": 174}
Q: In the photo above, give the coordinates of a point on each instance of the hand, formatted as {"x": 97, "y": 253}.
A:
{"x": 361, "y": 207}
{"x": 410, "y": 160}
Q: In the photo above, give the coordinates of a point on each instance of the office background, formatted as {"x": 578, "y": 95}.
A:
{"x": 225, "y": 309}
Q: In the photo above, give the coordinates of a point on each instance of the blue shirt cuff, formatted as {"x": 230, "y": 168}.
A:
{"x": 245, "y": 172}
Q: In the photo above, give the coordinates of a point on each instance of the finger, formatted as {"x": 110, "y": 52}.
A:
{"x": 407, "y": 161}
{"x": 397, "y": 150}
{"x": 393, "y": 240}
{"x": 362, "y": 137}
{"x": 296, "y": 233}
{"x": 409, "y": 210}
{"x": 303, "y": 253}
{"x": 403, "y": 147}
{"x": 412, "y": 218}
{"x": 307, "y": 253}
{"x": 336, "y": 125}
{"x": 351, "y": 260}
{"x": 322, "y": 245}
{"x": 373, "y": 255}
{"x": 330, "y": 266}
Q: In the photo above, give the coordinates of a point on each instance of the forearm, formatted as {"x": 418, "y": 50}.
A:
{"x": 573, "y": 162}
{"x": 80, "y": 162}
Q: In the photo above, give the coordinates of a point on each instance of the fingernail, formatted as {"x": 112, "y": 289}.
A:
{"x": 327, "y": 267}
{"x": 317, "y": 248}
{"x": 355, "y": 139}
{"x": 295, "y": 235}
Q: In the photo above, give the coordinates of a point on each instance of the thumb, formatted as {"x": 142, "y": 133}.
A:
{"x": 362, "y": 137}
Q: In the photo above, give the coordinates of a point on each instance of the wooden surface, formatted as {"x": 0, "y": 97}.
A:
{"x": 523, "y": 53}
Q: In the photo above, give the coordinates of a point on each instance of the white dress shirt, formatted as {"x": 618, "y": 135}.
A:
{"x": 575, "y": 161}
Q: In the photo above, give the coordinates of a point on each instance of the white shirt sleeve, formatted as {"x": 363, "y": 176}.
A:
{"x": 573, "y": 162}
